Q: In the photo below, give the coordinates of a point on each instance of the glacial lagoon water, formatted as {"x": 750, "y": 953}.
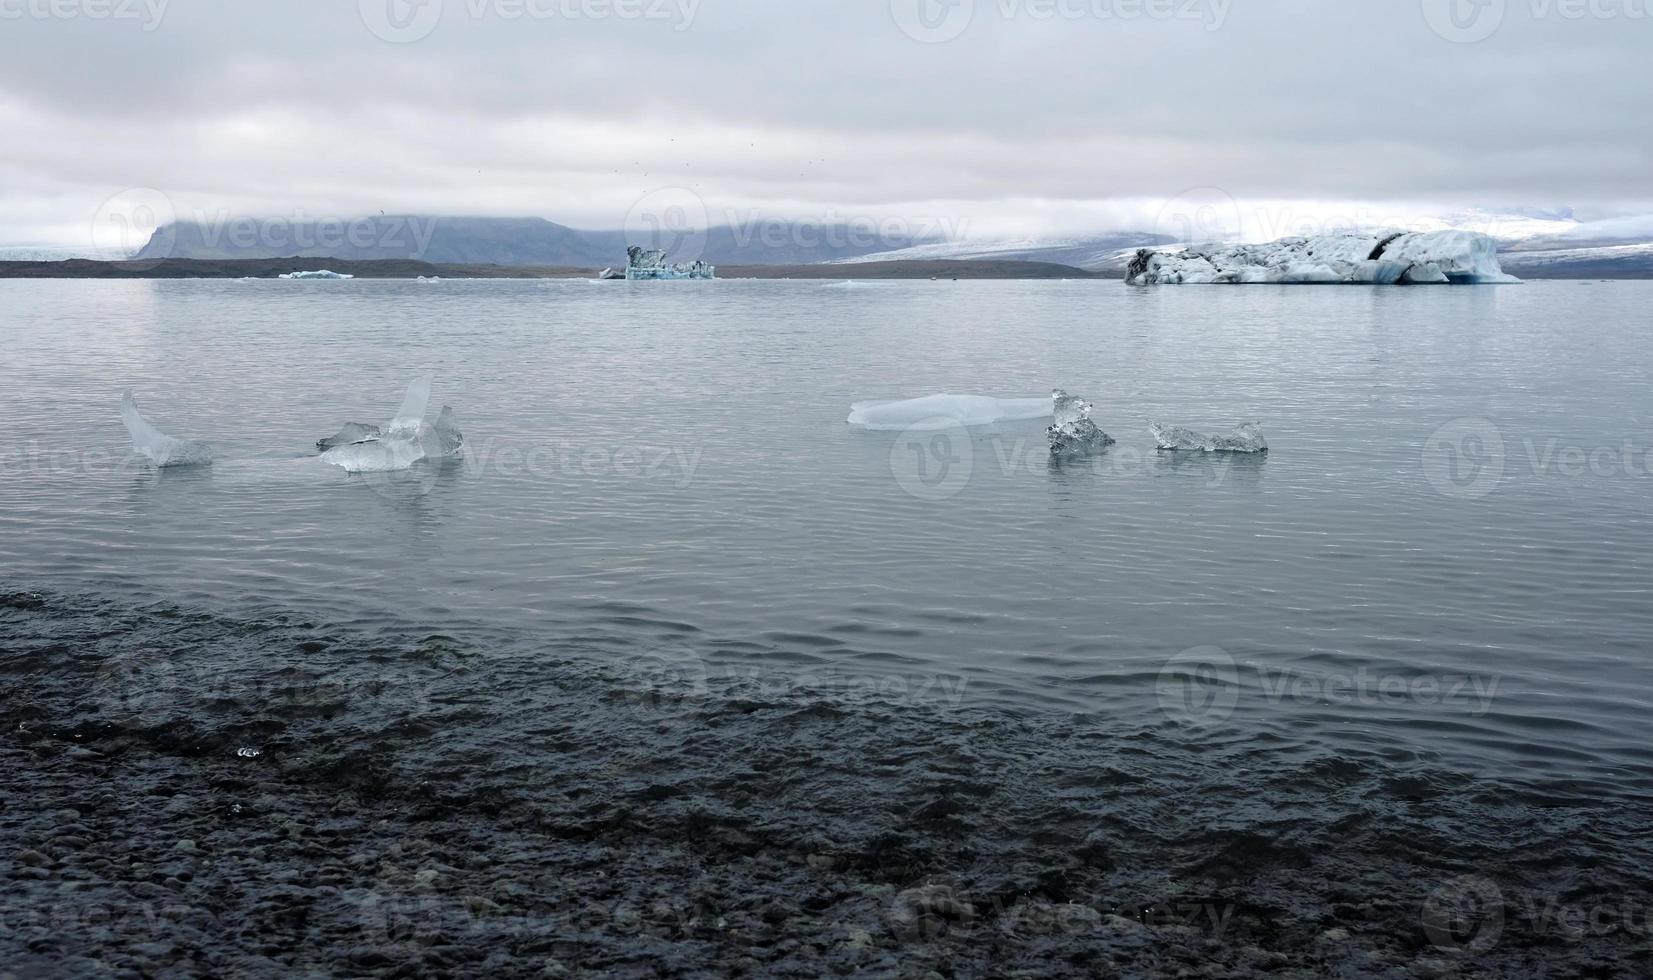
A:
{"x": 673, "y": 669}
{"x": 1446, "y": 554}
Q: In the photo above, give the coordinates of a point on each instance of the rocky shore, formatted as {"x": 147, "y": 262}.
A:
{"x": 182, "y": 795}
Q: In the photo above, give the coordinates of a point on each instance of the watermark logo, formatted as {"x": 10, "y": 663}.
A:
{"x": 933, "y": 459}
{"x": 1201, "y": 214}
{"x": 137, "y": 690}
{"x": 665, "y": 680}
{"x": 1199, "y": 686}
{"x": 400, "y": 21}
{"x": 1465, "y": 458}
{"x": 1464, "y": 21}
{"x": 673, "y": 219}
{"x": 136, "y": 219}
{"x": 933, "y": 21}
{"x": 1465, "y": 915}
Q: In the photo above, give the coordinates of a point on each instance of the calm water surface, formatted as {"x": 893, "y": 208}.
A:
{"x": 1446, "y": 557}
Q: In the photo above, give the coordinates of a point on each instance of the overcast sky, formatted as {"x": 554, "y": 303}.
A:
{"x": 986, "y": 117}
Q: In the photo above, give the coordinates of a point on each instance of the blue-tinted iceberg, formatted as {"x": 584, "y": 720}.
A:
{"x": 1073, "y": 433}
{"x": 161, "y": 449}
{"x": 406, "y": 439}
{"x": 650, "y": 263}
{"x": 317, "y": 274}
{"x": 946, "y": 412}
{"x": 1247, "y": 437}
{"x": 1394, "y": 258}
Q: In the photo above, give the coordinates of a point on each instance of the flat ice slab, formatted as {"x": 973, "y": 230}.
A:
{"x": 946, "y": 411}
{"x": 317, "y": 274}
{"x": 1247, "y": 437}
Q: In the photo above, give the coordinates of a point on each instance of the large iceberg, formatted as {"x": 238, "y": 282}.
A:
{"x": 946, "y": 412}
{"x": 1073, "y": 433}
{"x": 161, "y": 449}
{"x": 404, "y": 440}
{"x": 1393, "y": 258}
{"x": 1247, "y": 437}
{"x": 650, "y": 263}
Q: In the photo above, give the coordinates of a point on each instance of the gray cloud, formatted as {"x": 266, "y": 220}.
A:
{"x": 1043, "y": 113}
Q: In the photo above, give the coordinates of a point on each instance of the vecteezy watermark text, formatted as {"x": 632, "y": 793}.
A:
{"x": 939, "y": 21}
{"x": 1204, "y": 685}
{"x": 407, "y": 21}
{"x": 148, "y": 13}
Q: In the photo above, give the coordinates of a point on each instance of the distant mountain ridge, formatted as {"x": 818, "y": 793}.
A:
{"x": 510, "y": 241}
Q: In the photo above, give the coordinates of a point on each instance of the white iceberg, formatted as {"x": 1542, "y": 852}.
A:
{"x": 1247, "y": 437}
{"x": 317, "y": 274}
{"x": 1394, "y": 258}
{"x": 1073, "y": 433}
{"x": 406, "y": 439}
{"x": 161, "y": 449}
{"x": 946, "y": 411}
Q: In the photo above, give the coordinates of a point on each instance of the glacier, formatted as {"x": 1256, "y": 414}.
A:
{"x": 406, "y": 439}
{"x": 1073, "y": 433}
{"x": 1247, "y": 437}
{"x": 317, "y": 274}
{"x": 650, "y": 263}
{"x": 1386, "y": 259}
{"x": 161, "y": 449}
{"x": 945, "y": 412}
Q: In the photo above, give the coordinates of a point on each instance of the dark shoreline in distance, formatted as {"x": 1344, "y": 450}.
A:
{"x": 409, "y": 269}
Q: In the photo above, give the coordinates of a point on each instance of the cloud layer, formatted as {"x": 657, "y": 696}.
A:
{"x": 1003, "y": 116}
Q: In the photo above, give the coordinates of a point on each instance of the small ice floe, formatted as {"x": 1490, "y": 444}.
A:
{"x": 1247, "y": 437}
{"x": 1073, "y": 433}
{"x": 317, "y": 274}
{"x": 398, "y": 444}
{"x": 161, "y": 449}
{"x": 428, "y": 279}
{"x": 247, "y": 753}
{"x": 945, "y": 412}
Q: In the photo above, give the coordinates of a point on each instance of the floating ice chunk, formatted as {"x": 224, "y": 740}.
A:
{"x": 162, "y": 449}
{"x": 352, "y": 432}
{"x": 1373, "y": 259}
{"x": 1247, "y": 437}
{"x": 404, "y": 440}
{"x": 650, "y": 263}
{"x": 946, "y": 411}
{"x": 1074, "y": 434}
{"x": 317, "y": 274}
{"x": 379, "y": 455}
{"x": 428, "y": 279}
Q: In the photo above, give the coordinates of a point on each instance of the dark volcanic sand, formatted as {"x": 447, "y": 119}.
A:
{"x": 420, "y": 807}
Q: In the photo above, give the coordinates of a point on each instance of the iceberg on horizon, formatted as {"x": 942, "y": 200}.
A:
{"x": 1388, "y": 259}
{"x": 1247, "y": 437}
{"x": 650, "y": 263}
{"x": 317, "y": 274}
{"x": 406, "y": 439}
{"x": 945, "y": 412}
{"x": 1073, "y": 433}
{"x": 161, "y": 449}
